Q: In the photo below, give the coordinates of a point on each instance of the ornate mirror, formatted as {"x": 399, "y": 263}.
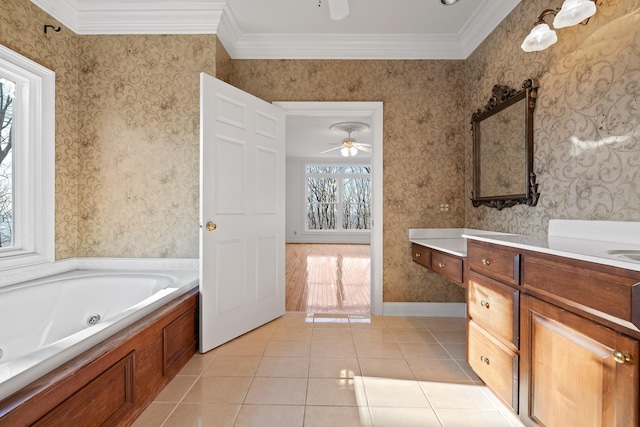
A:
{"x": 503, "y": 148}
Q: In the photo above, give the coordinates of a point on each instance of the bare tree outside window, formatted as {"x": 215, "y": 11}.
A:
{"x": 338, "y": 198}
{"x": 7, "y": 95}
{"x": 357, "y": 204}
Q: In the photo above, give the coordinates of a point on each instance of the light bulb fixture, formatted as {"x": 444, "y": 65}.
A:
{"x": 540, "y": 38}
{"x": 571, "y": 13}
{"x": 348, "y": 150}
{"x": 574, "y": 12}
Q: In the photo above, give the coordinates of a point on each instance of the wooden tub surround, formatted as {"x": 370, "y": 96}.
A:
{"x": 113, "y": 382}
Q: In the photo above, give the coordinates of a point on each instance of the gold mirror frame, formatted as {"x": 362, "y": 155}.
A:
{"x": 513, "y": 171}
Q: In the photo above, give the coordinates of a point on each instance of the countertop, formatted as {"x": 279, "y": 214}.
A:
{"x": 601, "y": 242}
{"x": 448, "y": 240}
{"x": 614, "y": 243}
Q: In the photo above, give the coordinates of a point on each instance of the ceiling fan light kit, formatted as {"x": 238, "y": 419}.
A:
{"x": 572, "y": 12}
{"x": 338, "y": 9}
{"x": 349, "y": 146}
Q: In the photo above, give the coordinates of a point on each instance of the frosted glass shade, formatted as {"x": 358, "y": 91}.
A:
{"x": 348, "y": 151}
{"x": 338, "y": 9}
{"x": 574, "y": 12}
{"x": 540, "y": 38}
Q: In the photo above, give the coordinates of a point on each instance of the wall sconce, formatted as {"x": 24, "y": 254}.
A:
{"x": 572, "y": 12}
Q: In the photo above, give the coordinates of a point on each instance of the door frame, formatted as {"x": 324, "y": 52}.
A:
{"x": 358, "y": 109}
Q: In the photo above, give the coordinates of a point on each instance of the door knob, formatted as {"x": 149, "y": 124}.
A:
{"x": 211, "y": 226}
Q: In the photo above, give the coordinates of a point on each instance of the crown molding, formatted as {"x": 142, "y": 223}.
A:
{"x": 65, "y": 11}
{"x": 215, "y": 17}
{"x": 333, "y": 46}
{"x": 482, "y": 23}
{"x": 136, "y": 16}
{"x": 344, "y": 46}
{"x": 363, "y": 46}
{"x": 229, "y": 32}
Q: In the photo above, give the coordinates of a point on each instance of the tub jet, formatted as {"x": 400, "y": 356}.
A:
{"x": 93, "y": 319}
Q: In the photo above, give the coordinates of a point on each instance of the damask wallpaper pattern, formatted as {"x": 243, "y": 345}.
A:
{"x": 424, "y": 128}
{"x": 139, "y": 144}
{"x": 587, "y": 118}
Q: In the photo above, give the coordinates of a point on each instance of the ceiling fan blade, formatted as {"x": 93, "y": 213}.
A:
{"x": 363, "y": 148}
{"x": 330, "y": 149}
{"x": 338, "y": 9}
{"x": 363, "y": 144}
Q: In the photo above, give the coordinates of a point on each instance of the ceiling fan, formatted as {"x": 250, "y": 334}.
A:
{"x": 349, "y": 147}
{"x": 338, "y": 9}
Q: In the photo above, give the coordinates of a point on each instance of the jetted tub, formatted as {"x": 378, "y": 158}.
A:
{"x": 46, "y": 322}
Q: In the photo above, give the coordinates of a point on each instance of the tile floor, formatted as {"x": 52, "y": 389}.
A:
{"x": 333, "y": 370}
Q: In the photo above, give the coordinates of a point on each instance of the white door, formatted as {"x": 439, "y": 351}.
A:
{"x": 242, "y": 212}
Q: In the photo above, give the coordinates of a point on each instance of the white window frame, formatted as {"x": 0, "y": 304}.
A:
{"x": 34, "y": 162}
{"x": 339, "y": 178}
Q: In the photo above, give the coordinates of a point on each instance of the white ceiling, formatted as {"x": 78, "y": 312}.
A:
{"x": 299, "y": 29}
{"x": 308, "y": 136}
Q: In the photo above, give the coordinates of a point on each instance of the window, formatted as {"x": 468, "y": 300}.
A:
{"x": 26, "y": 161}
{"x": 338, "y": 198}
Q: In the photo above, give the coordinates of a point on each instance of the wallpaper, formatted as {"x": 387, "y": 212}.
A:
{"x": 22, "y": 30}
{"x": 139, "y": 144}
{"x": 587, "y": 118}
{"x": 424, "y": 133}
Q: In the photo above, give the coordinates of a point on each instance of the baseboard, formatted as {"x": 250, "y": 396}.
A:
{"x": 426, "y": 309}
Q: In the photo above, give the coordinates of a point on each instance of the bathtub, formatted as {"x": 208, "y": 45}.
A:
{"x": 48, "y": 321}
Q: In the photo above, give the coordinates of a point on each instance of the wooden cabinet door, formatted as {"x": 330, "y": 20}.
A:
{"x": 568, "y": 373}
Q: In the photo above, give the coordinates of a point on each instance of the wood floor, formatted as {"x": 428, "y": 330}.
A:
{"x": 328, "y": 278}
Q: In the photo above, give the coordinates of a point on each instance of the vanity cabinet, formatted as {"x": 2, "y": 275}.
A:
{"x": 578, "y": 366}
{"x": 446, "y": 265}
{"x": 555, "y": 338}
{"x": 493, "y": 301}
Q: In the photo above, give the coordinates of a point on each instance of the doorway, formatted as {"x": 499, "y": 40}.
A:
{"x": 373, "y": 111}
{"x": 325, "y": 278}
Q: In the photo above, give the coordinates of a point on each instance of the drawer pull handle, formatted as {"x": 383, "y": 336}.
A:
{"x": 485, "y": 304}
{"x": 441, "y": 265}
{"x": 621, "y": 357}
{"x": 418, "y": 255}
{"x": 486, "y": 261}
{"x": 484, "y": 359}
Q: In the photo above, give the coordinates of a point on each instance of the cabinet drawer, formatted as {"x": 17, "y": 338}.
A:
{"x": 447, "y": 265}
{"x": 494, "y": 363}
{"x": 500, "y": 262}
{"x": 421, "y": 255}
{"x": 495, "y": 307}
{"x": 612, "y": 291}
